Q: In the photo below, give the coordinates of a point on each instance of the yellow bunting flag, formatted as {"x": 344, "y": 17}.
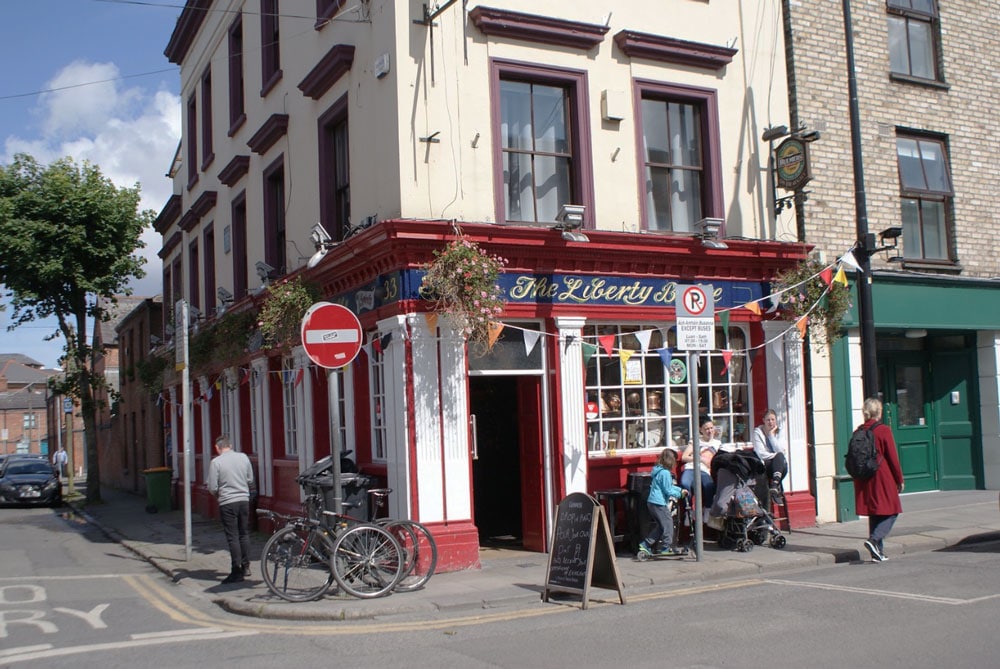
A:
{"x": 840, "y": 277}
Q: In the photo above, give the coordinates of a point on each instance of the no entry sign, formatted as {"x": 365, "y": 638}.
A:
{"x": 331, "y": 335}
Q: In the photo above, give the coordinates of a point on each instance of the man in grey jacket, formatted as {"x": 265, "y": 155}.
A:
{"x": 230, "y": 478}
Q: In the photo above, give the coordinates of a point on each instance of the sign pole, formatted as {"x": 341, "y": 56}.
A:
{"x": 336, "y": 447}
{"x": 699, "y": 502}
{"x": 181, "y": 348}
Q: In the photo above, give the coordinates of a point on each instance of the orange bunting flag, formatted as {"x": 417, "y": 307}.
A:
{"x": 752, "y": 306}
{"x": 802, "y": 324}
{"x": 827, "y": 275}
{"x": 495, "y": 330}
{"x": 607, "y": 343}
{"x": 432, "y": 320}
{"x": 841, "y": 277}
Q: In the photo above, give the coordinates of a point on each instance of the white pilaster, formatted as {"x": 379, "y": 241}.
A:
{"x": 571, "y": 412}
{"x": 260, "y": 395}
{"x": 988, "y": 359}
{"x": 786, "y": 395}
{"x": 396, "y": 415}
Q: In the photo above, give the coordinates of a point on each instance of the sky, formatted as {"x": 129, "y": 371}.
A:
{"x": 118, "y": 108}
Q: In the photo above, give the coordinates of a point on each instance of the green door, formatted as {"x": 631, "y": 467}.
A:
{"x": 952, "y": 375}
{"x": 909, "y": 412}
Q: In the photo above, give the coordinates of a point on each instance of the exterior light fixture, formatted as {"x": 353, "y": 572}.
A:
{"x": 264, "y": 271}
{"x": 890, "y": 242}
{"x": 323, "y": 242}
{"x": 708, "y": 230}
{"x": 569, "y": 220}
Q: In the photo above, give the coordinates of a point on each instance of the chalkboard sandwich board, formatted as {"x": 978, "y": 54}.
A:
{"x": 581, "y": 553}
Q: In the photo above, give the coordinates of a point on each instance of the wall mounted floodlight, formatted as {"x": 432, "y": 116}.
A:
{"x": 889, "y": 239}
{"x": 774, "y": 132}
{"x": 264, "y": 271}
{"x": 225, "y": 297}
{"x": 708, "y": 230}
{"x": 570, "y": 217}
{"x": 319, "y": 236}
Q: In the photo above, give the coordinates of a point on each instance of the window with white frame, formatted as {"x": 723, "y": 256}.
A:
{"x": 256, "y": 398}
{"x": 637, "y": 402}
{"x": 380, "y": 431}
{"x": 926, "y": 192}
{"x": 226, "y": 408}
{"x": 288, "y": 385}
{"x": 338, "y": 421}
{"x": 913, "y": 30}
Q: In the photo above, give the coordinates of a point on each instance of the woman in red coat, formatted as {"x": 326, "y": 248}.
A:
{"x": 878, "y": 497}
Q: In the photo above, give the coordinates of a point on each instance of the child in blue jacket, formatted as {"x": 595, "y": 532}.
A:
{"x": 661, "y": 489}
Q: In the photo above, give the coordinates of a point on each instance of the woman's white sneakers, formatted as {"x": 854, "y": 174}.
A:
{"x": 877, "y": 554}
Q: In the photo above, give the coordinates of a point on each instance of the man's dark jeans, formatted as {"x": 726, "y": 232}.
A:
{"x": 235, "y": 518}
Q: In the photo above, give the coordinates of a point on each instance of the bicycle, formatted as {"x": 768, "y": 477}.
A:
{"x": 301, "y": 560}
{"x": 419, "y": 548}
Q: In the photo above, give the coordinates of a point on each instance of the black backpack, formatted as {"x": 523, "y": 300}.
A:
{"x": 862, "y": 459}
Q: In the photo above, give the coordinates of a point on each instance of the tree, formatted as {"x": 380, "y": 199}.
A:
{"x": 67, "y": 242}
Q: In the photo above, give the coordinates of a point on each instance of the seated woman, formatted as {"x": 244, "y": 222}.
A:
{"x": 770, "y": 450}
{"x": 709, "y": 446}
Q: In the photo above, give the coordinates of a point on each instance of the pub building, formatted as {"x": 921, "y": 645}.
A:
{"x": 583, "y": 385}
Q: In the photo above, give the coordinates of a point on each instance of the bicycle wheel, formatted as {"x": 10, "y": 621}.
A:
{"x": 367, "y": 561}
{"x": 295, "y": 563}
{"x": 420, "y": 553}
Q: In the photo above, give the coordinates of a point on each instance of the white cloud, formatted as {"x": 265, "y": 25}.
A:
{"x": 131, "y": 134}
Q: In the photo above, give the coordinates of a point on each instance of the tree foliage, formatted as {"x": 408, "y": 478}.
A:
{"x": 68, "y": 238}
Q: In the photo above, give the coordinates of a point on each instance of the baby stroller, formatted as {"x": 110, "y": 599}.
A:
{"x": 746, "y": 522}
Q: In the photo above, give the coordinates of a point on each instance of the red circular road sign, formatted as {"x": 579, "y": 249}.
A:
{"x": 695, "y": 300}
{"x": 331, "y": 335}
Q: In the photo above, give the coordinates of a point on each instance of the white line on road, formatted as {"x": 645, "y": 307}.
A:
{"x": 953, "y": 601}
{"x": 24, "y": 649}
{"x": 170, "y": 633}
{"x": 21, "y": 579}
{"x": 27, "y": 653}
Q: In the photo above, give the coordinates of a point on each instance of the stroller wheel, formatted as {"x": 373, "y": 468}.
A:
{"x": 744, "y": 545}
{"x": 778, "y": 541}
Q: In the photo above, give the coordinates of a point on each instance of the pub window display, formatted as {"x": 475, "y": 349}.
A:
{"x": 639, "y": 404}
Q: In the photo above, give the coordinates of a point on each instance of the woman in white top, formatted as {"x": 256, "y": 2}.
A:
{"x": 770, "y": 450}
{"x": 709, "y": 447}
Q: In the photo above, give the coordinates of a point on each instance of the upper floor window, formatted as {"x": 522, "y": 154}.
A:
{"x": 335, "y": 170}
{"x": 207, "y": 152}
{"x": 679, "y": 156}
{"x": 274, "y": 215}
{"x": 926, "y": 192}
{"x": 542, "y": 160}
{"x": 194, "y": 281}
{"x": 239, "y": 252}
{"x": 913, "y": 27}
{"x": 208, "y": 237}
{"x": 192, "y": 140}
{"x": 270, "y": 43}
{"x": 237, "y": 112}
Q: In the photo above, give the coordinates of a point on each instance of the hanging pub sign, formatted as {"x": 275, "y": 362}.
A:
{"x": 792, "y": 164}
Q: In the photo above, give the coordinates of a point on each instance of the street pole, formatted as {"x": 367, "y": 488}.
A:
{"x": 699, "y": 535}
{"x": 866, "y": 241}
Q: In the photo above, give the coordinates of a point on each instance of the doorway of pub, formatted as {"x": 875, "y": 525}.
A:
{"x": 507, "y": 473}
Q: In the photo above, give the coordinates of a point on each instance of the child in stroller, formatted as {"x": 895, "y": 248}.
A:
{"x": 745, "y": 521}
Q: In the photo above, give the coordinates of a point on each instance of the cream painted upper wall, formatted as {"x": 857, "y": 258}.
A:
{"x": 393, "y": 174}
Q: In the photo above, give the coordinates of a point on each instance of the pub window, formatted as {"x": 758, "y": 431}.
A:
{"x": 290, "y": 402}
{"x": 673, "y": 163}
{"x": 926, "y": 193}
{"x": 380, "y": 430}
{"x": 913, "y": 34}
{"x": 642, "y": 404}
{"x": 542, "y": 152}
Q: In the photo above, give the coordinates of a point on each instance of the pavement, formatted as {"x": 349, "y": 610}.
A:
{"x": 516, "y": 579}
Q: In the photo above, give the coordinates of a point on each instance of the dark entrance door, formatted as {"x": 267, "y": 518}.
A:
{"x": 954, "y": 405}
{"x": 496, "y": 472}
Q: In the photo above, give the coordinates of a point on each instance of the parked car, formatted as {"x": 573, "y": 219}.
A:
{"x": 29, "y": 481}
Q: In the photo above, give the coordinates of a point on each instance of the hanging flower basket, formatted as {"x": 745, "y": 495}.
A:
{"x": 280, "y": 316}
{"x": 461, "y": 283}
{"x": 809, "y": 291}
